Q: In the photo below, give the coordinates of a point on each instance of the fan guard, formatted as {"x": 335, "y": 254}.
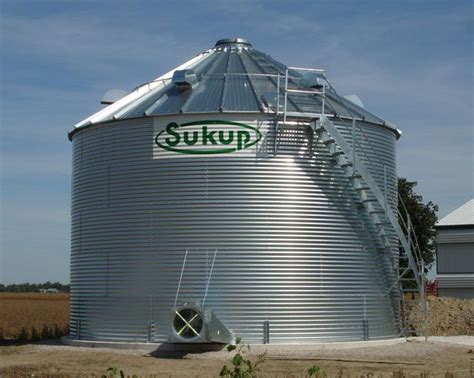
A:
{"x": 188, "y": 323}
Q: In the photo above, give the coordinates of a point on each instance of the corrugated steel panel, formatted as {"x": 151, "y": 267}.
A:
{"x": 459, "y": 292}
{"x": 227, "y": 84}
{"x": 455, "y": 235}
{"x": 238, "y": 90}
{"x": 465, "y": 280}
{"x": 207, "y": 98}
{"x": 292, "y": 245}
{"x": 455, "y": 258}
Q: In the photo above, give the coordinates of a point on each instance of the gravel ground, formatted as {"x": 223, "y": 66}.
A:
{"x": 411, "y": 359}
{"x": 460, "y": 340}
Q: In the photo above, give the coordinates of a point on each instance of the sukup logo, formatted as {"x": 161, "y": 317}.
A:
{"x": 207, "y": 137}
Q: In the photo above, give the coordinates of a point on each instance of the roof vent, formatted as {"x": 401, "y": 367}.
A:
{"x": 112, "y": 95}
{"x": 233, "y": 41}
{"x": 313, "y": 80}
{"x": 184, "y": 79}
{"x": 355, "y": 100}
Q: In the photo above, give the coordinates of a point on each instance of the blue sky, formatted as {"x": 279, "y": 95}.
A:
{"x": 411, "y": 62}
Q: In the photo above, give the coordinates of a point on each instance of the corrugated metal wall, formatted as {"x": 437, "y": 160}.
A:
{"x": 292, "y": 245}
{"x": 455, "y": 258}
{"x": 455, "y": 235}
{"x": 457, "y": 292}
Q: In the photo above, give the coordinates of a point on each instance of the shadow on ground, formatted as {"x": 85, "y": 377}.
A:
{"x": 7, "y": 343}
{"x": 179, "y": 351}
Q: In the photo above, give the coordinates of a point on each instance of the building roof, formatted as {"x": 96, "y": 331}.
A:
{"x": 463, "y": 215}
{"x": 230, "y": 77}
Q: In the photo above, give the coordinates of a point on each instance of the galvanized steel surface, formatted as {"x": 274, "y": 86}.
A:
{"x": 293, "y": 247}
{"x": 233, "y": 77}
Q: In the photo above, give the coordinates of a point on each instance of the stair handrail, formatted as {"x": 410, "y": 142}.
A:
{"x": 413, "y": 254}
{"x": 323, "y": 97}
{"x": 409, "y": 244}
{"x": 342, "y": 101}
{"x": 362, "y": 170}
{"x": 409, "y": 229}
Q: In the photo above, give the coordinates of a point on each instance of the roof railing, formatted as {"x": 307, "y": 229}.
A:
{"x": 307, "y": 69}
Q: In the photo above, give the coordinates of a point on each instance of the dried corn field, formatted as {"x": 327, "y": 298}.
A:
{"x": 33, "y": 316}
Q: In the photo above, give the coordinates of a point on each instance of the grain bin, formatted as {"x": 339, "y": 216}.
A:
{"x": 224, "y": 199}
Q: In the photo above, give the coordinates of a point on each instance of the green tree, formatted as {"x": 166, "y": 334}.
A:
{"x": 423, "y": 217}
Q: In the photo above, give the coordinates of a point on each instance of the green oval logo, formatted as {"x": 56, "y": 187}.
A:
{"x": 207, "y": 137}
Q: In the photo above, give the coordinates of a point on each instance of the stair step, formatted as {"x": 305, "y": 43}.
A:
{"x": 281, "y": 122}
{"x": 336, "y": 153}
{"x": 369, "y": 200}
{"x": 355, "y": 176}
{"x": 375, "y": 211}
{"x": 362, "y": 188}
{"x": 346, "y": 164}
{"x": 329, "y": 141}
{"x": 319, "y": 129}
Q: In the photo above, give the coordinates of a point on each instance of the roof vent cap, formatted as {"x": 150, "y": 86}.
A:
{"x": 233, "y": 41}
{"x": 184, "y": 79}
{"x": 112, "y": 95}
{"x": 313, "y": 80}
{"x": 355, "y": 100}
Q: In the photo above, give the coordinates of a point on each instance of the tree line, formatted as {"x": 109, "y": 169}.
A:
{"x": 34, "y": 287}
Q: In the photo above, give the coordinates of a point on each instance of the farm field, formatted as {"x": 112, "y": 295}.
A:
{"x": 33, "y": 316}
